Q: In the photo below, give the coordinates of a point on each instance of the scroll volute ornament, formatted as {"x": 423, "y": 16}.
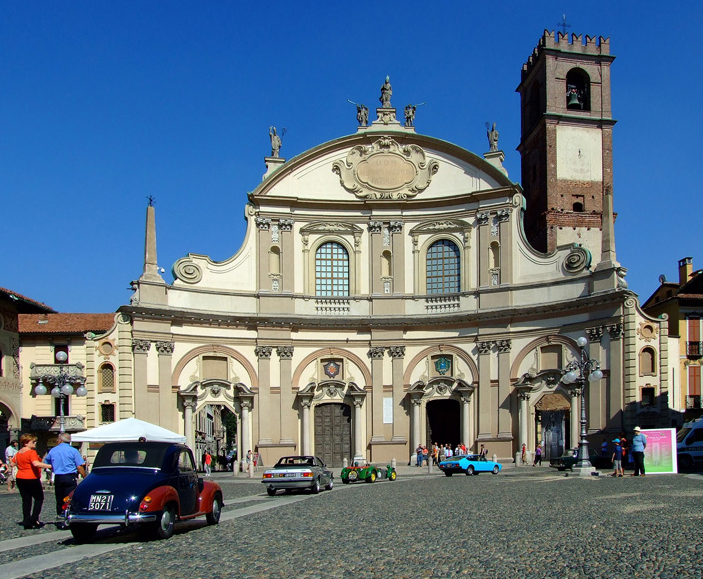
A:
{"x": 386, "y": 170}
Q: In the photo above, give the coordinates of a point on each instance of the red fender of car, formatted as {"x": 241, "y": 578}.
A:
{"x": 206, "y": 498}
{"x": 156, "y": 499}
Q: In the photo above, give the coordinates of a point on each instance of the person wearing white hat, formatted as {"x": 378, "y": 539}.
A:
{"x": 639, "y": 443}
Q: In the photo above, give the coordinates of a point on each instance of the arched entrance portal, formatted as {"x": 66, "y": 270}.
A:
{"x": 552, "y": 424}
{"x": 444, "y": 422}
{"x": 333, "y": 433}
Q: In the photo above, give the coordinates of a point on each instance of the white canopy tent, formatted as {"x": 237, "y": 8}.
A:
{"x": 128, "y": 430}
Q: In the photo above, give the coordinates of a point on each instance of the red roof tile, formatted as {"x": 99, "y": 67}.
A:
{"x": 65, "y": 323}
{"x": 24, "y": 304}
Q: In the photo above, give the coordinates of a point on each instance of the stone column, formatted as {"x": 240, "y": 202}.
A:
{"x": 263, "y": 226}
{"x": 415, "y": 404}
{"x": 267, "y": 427}
{"x": 189, "y": 406}
{"x": 524, "y": 398}
{"x": 400, "y": 423}
{"x": 376, "y": 355}
{"x": 245, "y": 445}
{"x": 575, "y": 417}
{"x": 398, "y": 271}
{"x": 505, "y": 237}
{"x": 465, "y": 421}
{"x": 358, "y": 442}
{"x": 505, "y": 427}
{"x": 288, "y": 255}
{"x": 485, "y": 418}
{"x": 483, "y": 243}
{"x": 166, "y": 399}
{"x": 141, "y": 397}
{"x": 376, "y": 248}
{"x": 305, "y": 426}
{"x": 596, "y": 390}
{"x": 288, "y": 424}
{"x": 614, "y": 378}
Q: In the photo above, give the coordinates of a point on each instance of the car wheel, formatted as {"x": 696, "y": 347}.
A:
{"x": 393, "y": 476}
{"x": 685, "y": 461}
{"x": 372, "y": 477}
{"x": 271, "y": 491}
{"x": 448, "y": 473}
{"x": 330, "y": 485}
{"x": 83, "y": 533}
{"x": 315, "y": 488}
{"x": 470, "y": 470}
{"x": 496, "y": 470}
{"x": 166, "y": 522}
{"x": 213, "y": 517}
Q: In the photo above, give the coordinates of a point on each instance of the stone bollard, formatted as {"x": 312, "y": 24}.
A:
{"x": 494, "y": 458}
{"x": 429, "y": 465}
{"x": 393, "y": 463}
{"x": 251, "y": 470}
{"x": 518, "y": 459}
{"x": 345, "y": 462}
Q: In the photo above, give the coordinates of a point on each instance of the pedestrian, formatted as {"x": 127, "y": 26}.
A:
{"x": 538, "y": 456}
{"x": 523, "y": 456}
{"x": 483, "y": 453}
{"x": 604, "y": 448}
{"x": 418, "y": 455}
{"x": 617, "y": 459}
{"x": 639, "y": 443}
{"x": 208, "y": 463}
{"x": 442, "y": 454}
{"x": 435, "y": 454}
{"x": 250, "y": 457}
{"x": 66, "y": 463}
{"x": 10, "y": 452}
{"x": 86, "y": 465}
{"x": 29, "y": 481}
{"x": 426, "y": 455}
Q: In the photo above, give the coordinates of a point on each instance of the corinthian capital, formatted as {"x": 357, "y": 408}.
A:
{"x": 165, "y": 347}
{"x": 396, "y": 351}
{"x": 141, "y": 346}
{"x": 263, "y": 351}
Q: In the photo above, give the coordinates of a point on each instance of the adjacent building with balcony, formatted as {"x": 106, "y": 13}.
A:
{"x": 681, "y": 304}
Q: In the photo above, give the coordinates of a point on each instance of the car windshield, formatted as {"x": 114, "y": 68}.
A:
{"x": 296, "y": 461}
{"x": 130, "y": 455}
{"x": 682, "y": 434}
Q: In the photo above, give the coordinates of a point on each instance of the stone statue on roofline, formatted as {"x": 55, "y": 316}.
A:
{"x": 275, "y": 142}
{"x": 492, "y": 135}
{"x": 362, "y": 115}
{"x": 386, "y": 93}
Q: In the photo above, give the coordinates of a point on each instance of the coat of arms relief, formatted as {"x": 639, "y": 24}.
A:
{"x": 386, "y": 170}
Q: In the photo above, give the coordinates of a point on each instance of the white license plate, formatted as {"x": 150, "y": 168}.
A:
{"x": 100, "y": 502}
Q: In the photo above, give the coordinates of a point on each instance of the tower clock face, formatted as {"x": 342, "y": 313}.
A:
{"x": 579, "y": 154}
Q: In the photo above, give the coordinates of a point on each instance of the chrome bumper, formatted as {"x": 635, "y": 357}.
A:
{"x": 126, "y": 518}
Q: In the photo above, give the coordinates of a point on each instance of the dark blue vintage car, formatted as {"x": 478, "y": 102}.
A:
{"x": 150, "y": 485}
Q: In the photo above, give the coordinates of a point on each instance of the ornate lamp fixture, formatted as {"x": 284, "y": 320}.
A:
{"x": 577, "y": 372}
{"x": 65, "y": 383}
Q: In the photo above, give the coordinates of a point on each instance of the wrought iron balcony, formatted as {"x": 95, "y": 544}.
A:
{"x": 694, "y": 349}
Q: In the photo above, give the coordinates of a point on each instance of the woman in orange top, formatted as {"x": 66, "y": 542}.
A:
{"x": 29, "y": 482}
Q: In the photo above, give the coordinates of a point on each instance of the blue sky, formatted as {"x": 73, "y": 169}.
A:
{"x": 105, "y": 103}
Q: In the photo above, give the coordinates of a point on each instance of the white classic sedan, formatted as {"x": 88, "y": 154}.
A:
{"x": 298, "y": 472}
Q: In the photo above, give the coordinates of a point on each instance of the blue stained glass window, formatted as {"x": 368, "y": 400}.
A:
{"x": 443, "y": 268}
{"x": 331, "y": 270}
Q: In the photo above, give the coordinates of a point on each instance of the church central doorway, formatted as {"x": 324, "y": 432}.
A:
{"x": 443, "y": 423}
{"x": 333, "y": 433}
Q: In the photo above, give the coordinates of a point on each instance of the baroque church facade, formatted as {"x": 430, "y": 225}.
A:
{"x": 394, "y": 289}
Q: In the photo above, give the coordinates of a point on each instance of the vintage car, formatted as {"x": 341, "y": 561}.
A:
{"x": 150, "y": 485}
{"x": 298, "y": 472}
{"x": 367, "y": 473}
{"x": 570, "y": 458}
{"x": 468, "y": 464}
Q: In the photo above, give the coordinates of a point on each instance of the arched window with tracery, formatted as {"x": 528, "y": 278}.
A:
{"x": 332, "y": 270}
{"x": 443, "y": 267}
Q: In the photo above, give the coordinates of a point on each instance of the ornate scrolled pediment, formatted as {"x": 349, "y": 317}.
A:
{"x": 450, "y": 225}
{"x": 386, "y": 170}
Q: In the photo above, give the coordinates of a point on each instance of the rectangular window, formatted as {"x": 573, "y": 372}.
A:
{"x": 107, "y": 412}
{"x": 694, "y": 380}
{"x": 648, "y": 394}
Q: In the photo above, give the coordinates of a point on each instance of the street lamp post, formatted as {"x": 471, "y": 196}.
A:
{"x": 578, "y": 372}
{"x": 63, "y": 383}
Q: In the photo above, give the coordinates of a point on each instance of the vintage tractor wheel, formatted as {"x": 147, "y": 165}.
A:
{"x": 372, "y": 477}
{"x": 392, "y": 476}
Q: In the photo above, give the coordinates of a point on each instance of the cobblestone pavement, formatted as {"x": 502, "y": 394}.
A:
{"x": 523, "y": 522}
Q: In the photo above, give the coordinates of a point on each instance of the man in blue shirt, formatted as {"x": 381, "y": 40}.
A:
{"x": 67, "y": 463}
{"x": 639, "y": 443}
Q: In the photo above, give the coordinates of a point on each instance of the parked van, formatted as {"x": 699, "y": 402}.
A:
{"x": 689, "y": 443}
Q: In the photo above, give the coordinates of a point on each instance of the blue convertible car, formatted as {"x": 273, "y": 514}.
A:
{"x": 468, "y": 464}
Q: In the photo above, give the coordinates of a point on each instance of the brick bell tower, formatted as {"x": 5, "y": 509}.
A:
{"x": 566, "y": 140}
